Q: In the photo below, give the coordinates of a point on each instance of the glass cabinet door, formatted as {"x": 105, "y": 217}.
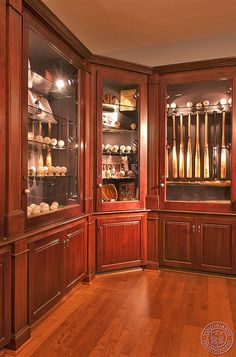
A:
{"x": 198, "y": 131}
{"x": 119, "y": 125}
{"x": 52, "y": 129}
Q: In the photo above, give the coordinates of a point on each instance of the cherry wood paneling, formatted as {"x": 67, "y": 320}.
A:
{"x": 75, "y": 249}
{"x": 20, "y": 330}
{"x": 91, "y": 249}
{"x": 5, "y": 296}
{"x": 217, "y": 243}
{"x": 177, "y": 241}
{"x": 2, "y": 111}
{"x": 152, "y": 241}
{"x": 14, "y": 213}
{"x": 153, "y": 143}
{"x": 45, "y": 276}
{"x": 121, "y": 242}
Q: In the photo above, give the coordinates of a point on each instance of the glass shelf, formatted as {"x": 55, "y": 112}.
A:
{"x": 43, "y": 86}
{"x": 52, "y": 147}
{"x": 119, "y": 153}
{"x": 115, "y": 107}
{"x": 46, "y": 117}
{"x": 114, "y": 130}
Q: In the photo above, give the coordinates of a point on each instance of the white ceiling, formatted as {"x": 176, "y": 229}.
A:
{"x": 152, "y": 32}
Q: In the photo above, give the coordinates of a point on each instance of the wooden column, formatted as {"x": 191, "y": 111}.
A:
{"x": 2, "y": 111}
{"x": 91, "y": 255}
{"x": 20, "y": 330}
{"x": 89, "y": 140}
{"x": 14, "y": 212}
{"x": 152, "y": 199}
{"x": 152, "y": 241}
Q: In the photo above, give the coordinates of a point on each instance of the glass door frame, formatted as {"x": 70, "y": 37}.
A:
{"x": 141, "y": 82}
{"x": 191, "y": 77}
{"x": 71, "y": 211}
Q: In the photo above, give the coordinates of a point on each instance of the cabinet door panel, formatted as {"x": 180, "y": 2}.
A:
{"x": 5, "y": 299}
{"x": 45, "y": 287}
{"x": 119, "y": 243}
{"x": 217, "y": 241}
{"x": 176, "y": 241}
{"x": 75, "y": 258}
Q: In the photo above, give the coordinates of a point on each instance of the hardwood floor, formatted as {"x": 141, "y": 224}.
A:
{"x": 138, "y": 313}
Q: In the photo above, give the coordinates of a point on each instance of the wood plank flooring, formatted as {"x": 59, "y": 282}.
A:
{"x": 135, "y": 314}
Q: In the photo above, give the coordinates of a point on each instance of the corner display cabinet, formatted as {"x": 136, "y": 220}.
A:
{"x": 197, "y": 131}
{"x": 121, "y": 140}
{"x": 52, "y": 162}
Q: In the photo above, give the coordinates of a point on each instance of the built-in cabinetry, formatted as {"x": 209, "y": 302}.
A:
{"x": 5, "y": 295}
{"x": 197, "y": 242}
{"x": 57, "y": 262}
{"x": 121, "y": 123}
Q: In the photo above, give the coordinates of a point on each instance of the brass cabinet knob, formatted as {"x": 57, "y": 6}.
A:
{"x": 100, "y": 185}
{"x": 162, "y": 185}
{"x": 27, "y": 191}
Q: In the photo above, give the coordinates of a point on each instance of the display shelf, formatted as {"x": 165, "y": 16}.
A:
{"x": 115, "y": 107}
{"x": 200, "y": 183}
{"x": 119, "y": 153}
{"x": 43, "y": 86}
{"x": 43, "y": 116}
{"x": 114, "y": 130}
{"x": 117, "y": 179}
{"x": 52, "y": 147}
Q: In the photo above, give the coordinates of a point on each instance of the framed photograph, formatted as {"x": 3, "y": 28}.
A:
{"x": 128, "y": 100}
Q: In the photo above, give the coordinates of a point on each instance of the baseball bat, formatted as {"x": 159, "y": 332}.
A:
{"x": 166, "y": 161}
{"x": 223, "y": 150}
{"x": 40, "y": 153}
{"x": 174, "y": 152}
{"x": 214, "y": 150}
{"x": 197, "y": 150}
{"x": 206, "y": 150}
{"x": 189, "y": 150}
{"x": 181, "y": 148}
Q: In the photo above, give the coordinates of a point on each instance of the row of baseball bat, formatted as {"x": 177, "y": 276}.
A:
{"x": 194, "y": 159}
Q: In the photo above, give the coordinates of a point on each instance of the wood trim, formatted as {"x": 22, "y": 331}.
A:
{"x": 14, "y": 214}
{"x": 40, "y": 10}
{"x": 2, "y": 112}
{"x": 117, "y": 63}
{"x": 190, "y": 66}
{"x": 152, "y": 199}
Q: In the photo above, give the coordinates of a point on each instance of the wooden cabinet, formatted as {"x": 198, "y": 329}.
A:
{"x": 5, "y": 296}
{"x": 198, "y": 242}
{"x": 56, "y": 264}
{"x": 121, "y": 122}
{"x": 197, "y": 130}
{"x": 121, "y": 242}
{"x": 177, "y": 241}
{"x": 75, "y": 250}
{"x": 216, "y": 245}
{"x": 45, "y": 272}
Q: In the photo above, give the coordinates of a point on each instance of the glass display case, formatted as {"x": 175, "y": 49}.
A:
{"x": 53, "y": 134}
{"x": 198, "y": 136}
{"x": 119, "y": 141}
